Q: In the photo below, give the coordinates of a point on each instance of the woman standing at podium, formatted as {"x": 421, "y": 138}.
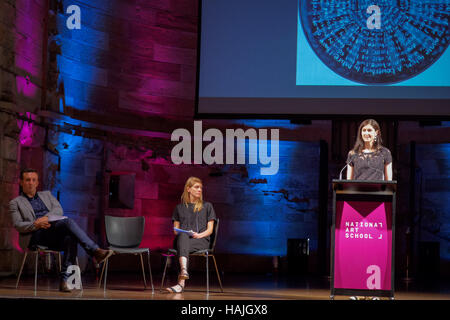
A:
{"x": 369, "y": 160}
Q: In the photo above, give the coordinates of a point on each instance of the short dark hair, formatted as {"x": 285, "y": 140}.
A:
{"x": 27, "y": 170}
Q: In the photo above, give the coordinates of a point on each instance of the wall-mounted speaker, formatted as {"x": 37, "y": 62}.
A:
{"x": 121, "y": 191}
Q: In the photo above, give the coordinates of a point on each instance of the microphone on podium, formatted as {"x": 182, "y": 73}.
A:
{"x": 340, "y": 173}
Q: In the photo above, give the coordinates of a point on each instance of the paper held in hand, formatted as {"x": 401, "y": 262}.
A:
{"x": 189, "y": 232}
{"x": 55, "y": 217}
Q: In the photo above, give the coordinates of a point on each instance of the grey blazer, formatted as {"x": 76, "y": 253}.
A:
{"x": 23, "y": 217}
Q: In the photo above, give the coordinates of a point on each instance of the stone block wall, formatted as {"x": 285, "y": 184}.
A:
{"x": 130, "y": 57}
{"x": 9, "y": 168}
{"x": 433, "y": 206}
{"x": 21, "y": 48}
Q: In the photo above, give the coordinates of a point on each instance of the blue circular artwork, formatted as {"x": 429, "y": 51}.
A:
{"x": 377, "y": 41}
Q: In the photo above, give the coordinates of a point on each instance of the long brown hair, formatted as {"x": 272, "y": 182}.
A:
{"x": 185, "y": 196}
{"x": 359, "y": 144}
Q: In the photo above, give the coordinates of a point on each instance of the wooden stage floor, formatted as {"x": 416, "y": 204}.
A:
{"x": 236, "y": 287}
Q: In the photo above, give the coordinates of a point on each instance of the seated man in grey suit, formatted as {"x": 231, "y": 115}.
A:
{"x": 36, "y": 216}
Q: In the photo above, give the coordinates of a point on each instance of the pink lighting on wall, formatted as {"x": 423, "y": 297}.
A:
{"x": 26, "y": 88}
{"x": 28, "y": 46}
{"x": 26, "y": 130}
{"x": 14, "y": 238}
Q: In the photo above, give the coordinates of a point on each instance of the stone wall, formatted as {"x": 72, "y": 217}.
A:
{"x": 21, "y": 51}
{"x": 422, "y": 230}
{"x": 433, "y": 209}
{"x": 9, "y": 168}
{"x": 135, "y": 58}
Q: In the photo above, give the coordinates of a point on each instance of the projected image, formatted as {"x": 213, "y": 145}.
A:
{"x": 374, "y": 42}
{"x": 324, "y": 58}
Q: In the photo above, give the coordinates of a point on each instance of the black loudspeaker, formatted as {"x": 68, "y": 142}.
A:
{"x": 121, "y": 191}
{"x": 297, "y": 256}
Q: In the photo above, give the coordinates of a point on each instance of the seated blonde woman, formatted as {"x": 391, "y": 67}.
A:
{"x": 197, "y": 216}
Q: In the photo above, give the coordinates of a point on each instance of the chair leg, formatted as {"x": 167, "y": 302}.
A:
{"x": 36, "y": 270}
{"x": 143, "y": 271}
{"x": 78, "y": 264}
{"x": 101, "y": 275}
{"x": 150, "y": 271}
{"x": 21, "y": 268}
{"x": 106, "y": 274}
{"x": 217, "y": 272}
{"x": 59, "y": 261}
{"x": 207, "y": 274}
{"x": 164, "y": 273}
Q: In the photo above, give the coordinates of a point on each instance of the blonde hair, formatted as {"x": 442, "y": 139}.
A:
{"x": 185, "y": 196}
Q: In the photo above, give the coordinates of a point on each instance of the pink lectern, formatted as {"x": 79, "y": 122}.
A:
{"x": 362, "y": 238}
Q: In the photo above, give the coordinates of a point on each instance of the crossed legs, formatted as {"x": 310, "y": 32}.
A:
{"x": 65, "y": 235}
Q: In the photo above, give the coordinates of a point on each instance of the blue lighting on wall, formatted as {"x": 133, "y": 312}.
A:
{"x": 434, "y": 160}
{"x": 79, "y": 63}
{"x": 281, "y": 206}
{"x": 444, "y": 233}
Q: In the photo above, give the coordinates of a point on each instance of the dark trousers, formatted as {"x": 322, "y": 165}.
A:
{"x": 63, "y": 235}
{"x": 185, "y": 244}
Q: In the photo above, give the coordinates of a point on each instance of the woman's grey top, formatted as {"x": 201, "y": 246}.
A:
{"x": 195, "y": 221}
{"x": 370, "y": 165}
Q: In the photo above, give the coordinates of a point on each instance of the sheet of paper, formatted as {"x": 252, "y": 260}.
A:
{"x": 54, "y": 217}
{"x": 185, "y": 231}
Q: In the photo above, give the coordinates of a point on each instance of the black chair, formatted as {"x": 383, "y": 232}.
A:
{"x": 124, "y": 234}
{"x": 201, "y": 253}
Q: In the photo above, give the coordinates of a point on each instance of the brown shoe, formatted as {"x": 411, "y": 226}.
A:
{"x": 63, "y": 286}
{"x": 101, "y": 255}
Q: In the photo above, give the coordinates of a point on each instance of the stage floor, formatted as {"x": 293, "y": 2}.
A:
{"x": 236, "y": 287}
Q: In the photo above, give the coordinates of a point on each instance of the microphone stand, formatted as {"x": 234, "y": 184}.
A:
{"x": 340, "y": 173}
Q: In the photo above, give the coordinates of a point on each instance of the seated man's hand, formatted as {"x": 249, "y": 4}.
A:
{"x": 42, "y": 223}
